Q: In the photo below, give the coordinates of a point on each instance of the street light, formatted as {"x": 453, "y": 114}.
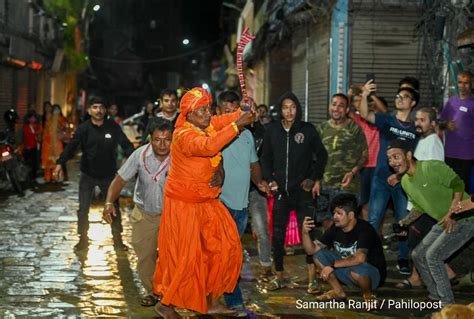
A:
{"x": 185, "y": 41}
{"x": 96, "y": 8}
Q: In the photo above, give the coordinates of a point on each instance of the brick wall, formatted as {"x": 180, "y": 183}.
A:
{"x": 6, "y": 92}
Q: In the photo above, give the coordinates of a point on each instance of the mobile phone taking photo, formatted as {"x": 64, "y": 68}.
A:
{"x": 370, "y": 76}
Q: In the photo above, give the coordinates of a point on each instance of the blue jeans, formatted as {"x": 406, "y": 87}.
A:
{"x": 258, "y": 208}
{"x": 327, "y": 257}
{"x": 431, "y": 253}
{"x": 379, "y": 195}
{"x": 235, "y": 298}
{"x": 366, "y": 176}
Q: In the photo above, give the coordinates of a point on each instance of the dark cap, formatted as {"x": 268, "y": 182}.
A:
{"x": 401, "y": 144}
{"x": 414, "y": 93}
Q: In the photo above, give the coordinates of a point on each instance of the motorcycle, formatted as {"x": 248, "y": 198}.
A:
{"x": 9, "y": 163}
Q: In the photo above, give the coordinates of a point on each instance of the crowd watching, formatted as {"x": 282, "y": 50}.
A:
{"x": 337, "y": 179}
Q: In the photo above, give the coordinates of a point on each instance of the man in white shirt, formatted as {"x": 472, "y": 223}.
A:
{"x": 430, "y": 146}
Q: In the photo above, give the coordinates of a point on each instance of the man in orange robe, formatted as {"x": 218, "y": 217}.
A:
{"x": 200, "y": 256}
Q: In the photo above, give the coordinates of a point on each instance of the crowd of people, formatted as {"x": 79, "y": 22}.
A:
{"x": 204, "y": 168}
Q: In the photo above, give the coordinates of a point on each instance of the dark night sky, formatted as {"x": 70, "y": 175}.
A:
{"x": 122, "y": 31}
{"x": 201, "y": 19}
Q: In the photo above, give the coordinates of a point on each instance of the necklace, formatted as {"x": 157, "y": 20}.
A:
{"x": 160, "y": 170}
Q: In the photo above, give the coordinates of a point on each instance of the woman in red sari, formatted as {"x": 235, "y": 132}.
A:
{"x": 200, "y": 255}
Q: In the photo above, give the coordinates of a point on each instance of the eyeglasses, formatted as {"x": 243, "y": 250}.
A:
{"x": 401, "y": 97}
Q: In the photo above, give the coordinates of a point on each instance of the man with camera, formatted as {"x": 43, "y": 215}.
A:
{"x": 357, "y": 259}
{"x": 434, "y": 189}
{"x": 391, "y": 126}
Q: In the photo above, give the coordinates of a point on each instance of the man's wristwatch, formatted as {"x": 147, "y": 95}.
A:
{"x": 109, "y": 204}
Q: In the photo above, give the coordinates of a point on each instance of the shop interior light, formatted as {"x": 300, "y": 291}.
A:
{"x": 36, "y": 65}
{"x": 15, "y": 62}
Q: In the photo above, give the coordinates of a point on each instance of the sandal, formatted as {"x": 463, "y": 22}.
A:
{"x": 406, "y": 284}
{"x": 330, "y": 295}
{"x": 149, "y": 301}
{"x": 275, "y": 284}
{"x": 266, "y": 275}
{"x": 314, "y": 287}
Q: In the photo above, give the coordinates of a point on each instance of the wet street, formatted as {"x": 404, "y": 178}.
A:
{"x": 41, "y": 275}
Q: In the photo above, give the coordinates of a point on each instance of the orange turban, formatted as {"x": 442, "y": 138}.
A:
{"x": 193, "y": 99}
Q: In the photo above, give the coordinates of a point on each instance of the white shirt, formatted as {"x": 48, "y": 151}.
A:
{"x": 430, "y": 148}
{"x": 152, "y": 174}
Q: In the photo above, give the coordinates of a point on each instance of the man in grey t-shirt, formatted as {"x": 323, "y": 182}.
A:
{"x": 150, "y": 163}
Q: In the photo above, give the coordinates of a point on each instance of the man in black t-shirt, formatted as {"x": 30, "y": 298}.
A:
{"x": 356, "y": 258}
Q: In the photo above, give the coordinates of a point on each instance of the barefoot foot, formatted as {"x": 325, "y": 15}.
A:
{"x": 220, "y": 309}
{"x": 166, "y": 312}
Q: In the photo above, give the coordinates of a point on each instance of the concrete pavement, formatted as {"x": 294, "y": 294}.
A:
{"x": 41, "y": 275}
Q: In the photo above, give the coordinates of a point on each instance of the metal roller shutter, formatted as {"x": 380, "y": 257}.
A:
{"x": 383, "y": 43}
{"x": 298, "y": 65}
{"x": 318, "y": 64}
{"x": 318, "y": 73}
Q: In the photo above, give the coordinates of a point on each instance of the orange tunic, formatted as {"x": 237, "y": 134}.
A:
{"x": 199, "y": 246}
{"x": 52, "y": 146}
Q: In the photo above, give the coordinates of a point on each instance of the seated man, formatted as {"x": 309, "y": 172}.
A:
{"x": 357, "y": 257}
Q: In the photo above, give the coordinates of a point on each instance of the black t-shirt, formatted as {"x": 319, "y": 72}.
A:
{"x": 362, "y": 236}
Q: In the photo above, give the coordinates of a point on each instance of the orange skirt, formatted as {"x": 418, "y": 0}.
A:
{"x": 199, "y": 253}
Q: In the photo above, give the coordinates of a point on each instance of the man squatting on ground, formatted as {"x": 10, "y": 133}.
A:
{"x": 357, "y": 259}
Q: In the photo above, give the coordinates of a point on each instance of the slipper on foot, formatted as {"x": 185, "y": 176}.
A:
{"x": 149, "y": 300}
{"x": 406, "y": 284}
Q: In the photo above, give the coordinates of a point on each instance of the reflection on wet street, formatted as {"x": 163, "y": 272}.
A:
{"x": 42, "y": 276}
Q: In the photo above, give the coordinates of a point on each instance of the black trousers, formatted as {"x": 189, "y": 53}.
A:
{"x": 86, "y": 188}
{"x": 298, "y": 200}
{"x": 462, "y": 168}
{"x": 31, "y": 159}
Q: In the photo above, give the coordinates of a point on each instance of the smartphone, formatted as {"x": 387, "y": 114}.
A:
{"x": 313, "y": 215}
{"x": 370, "y": 76}
{"x": 397, "y": 229}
